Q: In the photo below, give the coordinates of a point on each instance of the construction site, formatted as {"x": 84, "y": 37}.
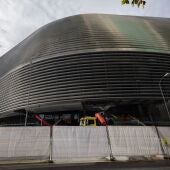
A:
{"x": 85, "y": 65}
{"x": 87, "y": 81}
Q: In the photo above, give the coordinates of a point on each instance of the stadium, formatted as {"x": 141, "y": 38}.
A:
{"x": 84, "y": 64}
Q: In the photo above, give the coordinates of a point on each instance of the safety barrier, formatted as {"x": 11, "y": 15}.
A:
{"x": 164, "y": 133}
{"x": 24, "y": 143}
{"x": 71, "y": 143}
{"x": 134, "y": 141}
{"x": 67, "y": 143}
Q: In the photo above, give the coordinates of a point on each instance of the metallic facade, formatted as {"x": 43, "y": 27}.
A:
{"x": 83, "y": 58}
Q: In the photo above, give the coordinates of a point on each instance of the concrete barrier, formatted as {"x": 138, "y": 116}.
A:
{"x": 18, "y": 143}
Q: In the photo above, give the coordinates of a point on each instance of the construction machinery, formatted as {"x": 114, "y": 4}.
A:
{"x": 42, "y": 121}
{"x": 93, "y": 121}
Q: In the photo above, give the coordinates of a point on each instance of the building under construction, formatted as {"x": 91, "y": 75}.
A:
{"x": 83, "y": 64}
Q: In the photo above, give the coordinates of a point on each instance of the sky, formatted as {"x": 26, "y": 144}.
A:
{"x": 20, "y": 18}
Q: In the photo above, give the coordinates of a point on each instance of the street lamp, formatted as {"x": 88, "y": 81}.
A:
{"x": 165, "y": 75}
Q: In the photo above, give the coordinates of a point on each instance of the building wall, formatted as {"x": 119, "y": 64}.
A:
{"x": 86, "y": 58}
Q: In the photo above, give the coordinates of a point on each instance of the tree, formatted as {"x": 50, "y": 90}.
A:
{"x": 134, "y": 2}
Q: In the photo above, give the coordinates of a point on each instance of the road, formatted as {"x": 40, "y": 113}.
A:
{"x": 148, "y": 165}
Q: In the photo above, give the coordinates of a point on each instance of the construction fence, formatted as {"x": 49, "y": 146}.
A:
{"x": 67, "y": 143}
{"x": 22, "y": 143}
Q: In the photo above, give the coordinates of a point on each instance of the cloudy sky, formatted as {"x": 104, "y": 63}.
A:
{"x": 19, "y": 18}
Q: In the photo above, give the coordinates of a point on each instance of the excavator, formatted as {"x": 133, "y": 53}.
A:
{"x": 93, "y": 121}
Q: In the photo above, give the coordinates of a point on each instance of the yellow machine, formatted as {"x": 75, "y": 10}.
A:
{"x": 88, "y": 121}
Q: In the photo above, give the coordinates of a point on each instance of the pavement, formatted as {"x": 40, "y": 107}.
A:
{"x": 137, "y": 165}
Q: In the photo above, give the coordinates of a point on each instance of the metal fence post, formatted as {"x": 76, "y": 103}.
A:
{"x": 51, "y": 145}
{"x": 109, "y": 143}
{"x": 160, "y": 141}
{"x": 26, "y": 117}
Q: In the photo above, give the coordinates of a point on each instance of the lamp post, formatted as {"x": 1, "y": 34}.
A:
{"x": 165, "y": 75}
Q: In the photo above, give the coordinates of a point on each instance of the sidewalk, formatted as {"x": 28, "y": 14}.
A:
{"x": 141, "y": 165}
